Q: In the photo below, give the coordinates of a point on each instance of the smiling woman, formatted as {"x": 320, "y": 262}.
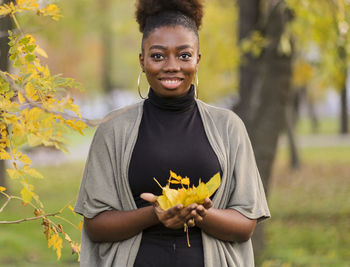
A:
{"x": 170, "y": 58}
{"x": 124, "y": 224}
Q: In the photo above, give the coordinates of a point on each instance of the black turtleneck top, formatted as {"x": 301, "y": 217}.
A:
{"x": 171, "y": 137}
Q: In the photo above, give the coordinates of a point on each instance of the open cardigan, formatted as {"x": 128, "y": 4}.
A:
{"x": 105, "y": 185}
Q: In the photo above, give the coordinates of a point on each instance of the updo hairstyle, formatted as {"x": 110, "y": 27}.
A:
{"x": 153, "y": 14}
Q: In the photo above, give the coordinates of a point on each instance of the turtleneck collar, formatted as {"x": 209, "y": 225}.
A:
{"x": 182, "y": 103}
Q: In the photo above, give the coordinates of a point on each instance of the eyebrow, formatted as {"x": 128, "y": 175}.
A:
{"x": 161, "y": 47}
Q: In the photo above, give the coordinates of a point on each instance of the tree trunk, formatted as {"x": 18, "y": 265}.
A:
{"x": 310, "y": 106}
{"x": 106, "y": 37}
{"x": 344, "y": 119}
{"x": 290, "y": 129}
{"x": 264, "y": 88}
{"x": 5, "y": 25}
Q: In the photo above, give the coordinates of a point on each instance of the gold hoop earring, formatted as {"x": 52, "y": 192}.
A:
{"x": 138, "y": 85}
{"x": 196, "y": 87}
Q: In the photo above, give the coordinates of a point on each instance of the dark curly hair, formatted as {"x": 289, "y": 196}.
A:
{"x": 152, "y": 14}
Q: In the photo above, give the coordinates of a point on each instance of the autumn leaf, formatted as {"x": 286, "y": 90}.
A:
{"x": 4, "y": 155}
{"x": 80, "y": 225}
{"x": 186, "y": 196}
{"x": 55, "y": 241}
{"x": 25, "y": 159}
{"x": 2, "y": 188}
{"x": 27, "y": 195}
{"x": 14, "y": 173}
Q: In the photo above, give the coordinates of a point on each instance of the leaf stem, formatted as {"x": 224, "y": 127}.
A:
{"x": 12, "y": 15}
{"x": 64, "y": 219}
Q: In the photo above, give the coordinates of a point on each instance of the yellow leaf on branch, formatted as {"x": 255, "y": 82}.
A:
{"x": 14, "y": 173}
{"x": 7, "y": 9}
{"x": 50, "y": 10}
{"x": 2, "y": 188}
{"x": 27, "y": 195}
{"x": 32, "y": 172}
{"x": 25, "y": 159}
{"x": 4, "y": 155}
{"x": 34, "y": 140}
{"x": 41, "y": 52}
{"x": 21, "y": 98}
{"x": 55, "y": 241}
{"x": 80, "y": 225}
{"x": 27, "y": 4}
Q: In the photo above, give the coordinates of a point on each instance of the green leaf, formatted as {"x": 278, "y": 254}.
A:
{"x": 30, "y": 58}
{"x": 29, "y": 48}
{"x": 24, "y": 41}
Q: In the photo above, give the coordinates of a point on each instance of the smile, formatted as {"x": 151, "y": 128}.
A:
{"x": 171, "y": 83}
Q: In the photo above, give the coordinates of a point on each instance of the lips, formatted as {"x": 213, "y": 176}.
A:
{"x": 171, "y": 83}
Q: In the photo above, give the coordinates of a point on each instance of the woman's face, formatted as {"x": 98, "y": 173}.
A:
{"x": 170, "y": 60}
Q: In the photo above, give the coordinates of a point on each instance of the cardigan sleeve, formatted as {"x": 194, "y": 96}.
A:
{"x": 98, "y": 187}
{"x": 248, "y": 195}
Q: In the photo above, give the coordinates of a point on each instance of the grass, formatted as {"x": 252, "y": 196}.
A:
{"x": 309, "y": 226}
{"x": 326, "y": 126}
{"x": 310, "y": 211}
{"x": 24, "y": 244}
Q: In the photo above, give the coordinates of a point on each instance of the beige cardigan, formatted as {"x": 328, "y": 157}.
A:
{"x": 105, "y": 185}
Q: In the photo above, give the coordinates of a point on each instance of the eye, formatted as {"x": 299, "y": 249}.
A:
{"x": 157, "y": 56}
{"x": 185, "y": 56}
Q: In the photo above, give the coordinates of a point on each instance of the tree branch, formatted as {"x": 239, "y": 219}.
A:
{"x": 30, "y": 219}
{"x": 16, "y": 88}
{"x": 6, "y": 203}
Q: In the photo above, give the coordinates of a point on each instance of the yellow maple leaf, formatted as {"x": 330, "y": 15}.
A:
{"x": 186, "y": 196}
{"x": 27, "y": 195}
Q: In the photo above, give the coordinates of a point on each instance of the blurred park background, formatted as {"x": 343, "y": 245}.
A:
{"x": 281, "y": 65}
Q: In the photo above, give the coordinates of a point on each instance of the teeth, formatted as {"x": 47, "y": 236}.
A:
{"x": 171, "y": 81}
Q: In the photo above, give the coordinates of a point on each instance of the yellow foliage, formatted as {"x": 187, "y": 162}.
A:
{"x": 34, "y": 113}
{"x": 302, "y": 73}
{"x": 55, "y": 241}
{"x": 32, "y": 172}
{"x": 189, "y": 195}
{"x": 41, "y": 52}
{"x": 80, "y": 225}
{"x": 4, "y": 155}
{"x": 50, "y": 10}
{"x": 25, "y": 159}
{"x": 14, "y": 173}
{"x": 27, "y": 194}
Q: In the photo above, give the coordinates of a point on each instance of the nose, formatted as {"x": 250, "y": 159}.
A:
{"x": 171, "y": 64}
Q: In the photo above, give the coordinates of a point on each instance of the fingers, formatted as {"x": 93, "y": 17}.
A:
{"x": 191, "y": 223}
{"x": 176, "y": 216}
{"x": 207, "y": 203}
{"x": 174, "y": 211}
{"x": 149, "y": 197}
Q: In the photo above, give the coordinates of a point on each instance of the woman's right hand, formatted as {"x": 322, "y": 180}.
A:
{"x": 174, "y": 217}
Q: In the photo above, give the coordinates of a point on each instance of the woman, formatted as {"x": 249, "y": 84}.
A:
{"x": 170, "y": 130}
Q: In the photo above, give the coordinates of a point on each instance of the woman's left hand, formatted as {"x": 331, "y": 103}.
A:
{"x": 200, "y": 212}
{"x": 197, "y": 214}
